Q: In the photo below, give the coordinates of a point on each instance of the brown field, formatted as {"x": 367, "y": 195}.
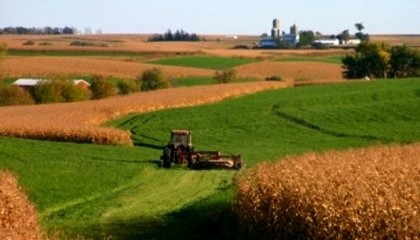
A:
{"x": 18, "y": 217}
{"x": 80, "y": 122}
{"x": 411, "y": 40}
{"x": 116, "y": 67}
{"x": 295, "y": 72}
{"x": 368, "y": 193}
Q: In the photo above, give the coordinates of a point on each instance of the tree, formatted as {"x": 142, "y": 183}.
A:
{"x": 226, "y": 76}
{"x": 364, "y": 37}
{"x": 380, "y": 60}
{"x": 360, "y": 35}
{"x": 47, "y": 92}
{"x": 404, "y": 62}
{"x": 73, "y": 93}
{"x": 306, "y": 38}
{"x": 48, "y": 30}
{"x": 169, "y": 36}
{"x": 359, "y": 27}
{"x": 264, "y": 35}
{"x": 102, "y": 88}
{"x": 153, "y": 79}
{"x": 68, "y": 30}
{"x": 56, "y": 91}
{"x": 179, "y": 35}
{"x": 128, "y": 86}
{"x": 344, "y": 36}
{"x": 14, "y": 95}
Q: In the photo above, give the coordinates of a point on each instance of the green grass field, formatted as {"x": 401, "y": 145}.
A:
{"x": 121, "y": 191}
{"x": 207, "y": 62}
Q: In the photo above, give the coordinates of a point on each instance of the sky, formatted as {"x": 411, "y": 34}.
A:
{"x": 230, "y": 17}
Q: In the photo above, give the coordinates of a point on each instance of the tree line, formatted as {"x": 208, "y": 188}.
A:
{"x": 38, "y": 31}
{"x": 61, "y": 90}
{"x": 179, "y": 35}
{"x": 380, "y": 60}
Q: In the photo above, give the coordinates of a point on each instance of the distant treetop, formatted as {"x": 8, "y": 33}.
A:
{"x": 179, "y": 35}
{"x": 39, "y": 31}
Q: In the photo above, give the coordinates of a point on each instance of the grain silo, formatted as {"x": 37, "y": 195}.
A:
{"x": 275, "y": 32}
{"x": 293, "y": 29}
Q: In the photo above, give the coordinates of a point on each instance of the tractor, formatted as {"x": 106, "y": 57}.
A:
{"x": 180, "y": 151}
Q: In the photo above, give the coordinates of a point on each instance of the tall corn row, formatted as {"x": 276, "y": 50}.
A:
{"x": 358, "y": 194}
{"x": 18, "y": 217}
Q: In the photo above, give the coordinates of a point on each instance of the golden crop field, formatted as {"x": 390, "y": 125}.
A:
{"x": 116, "y": 67}
{"x": 411, "y": 40}
{"x": 80, "y": 122}
{"x": 18, "y": 217}
{"x": 297, "y": 72}
{"x": 368, "y": 193}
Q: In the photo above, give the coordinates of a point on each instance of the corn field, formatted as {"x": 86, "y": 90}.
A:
{"x": 18, "y": 218}
{"x": 369, "y": 193}
{"x": 81, "y": 121}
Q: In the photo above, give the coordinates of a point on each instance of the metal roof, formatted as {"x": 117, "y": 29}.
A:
{"x": 77, "y": 81}
{"x": 28, "y": 81}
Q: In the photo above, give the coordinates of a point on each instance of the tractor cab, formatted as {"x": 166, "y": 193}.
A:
{"x": 180, "y": 137}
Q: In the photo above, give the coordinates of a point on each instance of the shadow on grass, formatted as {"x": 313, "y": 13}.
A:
{"x": 211, "y": 218}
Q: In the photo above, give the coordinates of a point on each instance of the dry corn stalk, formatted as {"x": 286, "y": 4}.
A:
{"x": 369, "y": 193}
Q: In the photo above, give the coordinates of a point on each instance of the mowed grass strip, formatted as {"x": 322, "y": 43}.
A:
{"x": 92, "y": 191}
{"x": 206, "y": 62}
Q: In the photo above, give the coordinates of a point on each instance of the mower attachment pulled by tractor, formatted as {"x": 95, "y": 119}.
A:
{"x": 180, "y": 150}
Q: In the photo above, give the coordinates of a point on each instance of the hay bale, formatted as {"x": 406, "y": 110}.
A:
{"x": 18, "y": 218}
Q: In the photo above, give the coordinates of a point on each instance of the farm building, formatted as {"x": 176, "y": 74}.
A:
{"x": 292, "y": 39}
{"x": 81, "y": 83}
{"x": 31, "y": 82}
{"x": 328, "y": 41}
{"x": 353, "y": 41}
{"x": 268, "y": 43}
{"x": 28, "y": 82}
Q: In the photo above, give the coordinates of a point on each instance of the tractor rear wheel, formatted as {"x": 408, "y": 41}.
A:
{"x": 166, "y": 158}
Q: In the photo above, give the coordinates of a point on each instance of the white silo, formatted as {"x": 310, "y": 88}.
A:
{"x": 275, "y": 32}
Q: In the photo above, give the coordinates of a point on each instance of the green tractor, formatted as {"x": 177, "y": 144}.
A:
{"x": 180, "y": 151}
